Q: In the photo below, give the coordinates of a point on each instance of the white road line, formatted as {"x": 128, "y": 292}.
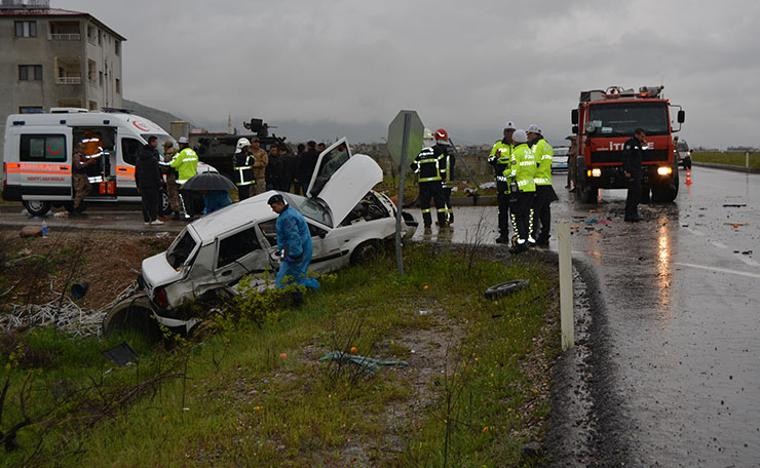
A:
{"x": 721, "y": 270}
{"x": 747, "y": 260}
{"x": 695, "y": 232}
{"x": 719, "y": 245}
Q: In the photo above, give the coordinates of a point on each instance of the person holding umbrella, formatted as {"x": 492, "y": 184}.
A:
{"x": 214, "y": 188}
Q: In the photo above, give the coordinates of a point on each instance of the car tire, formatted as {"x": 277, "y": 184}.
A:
{"x": 132, "y": 315}
{"x": 365, "y": 252}
{"x": 37, "y": 208}
{"x": 500, "y": 290}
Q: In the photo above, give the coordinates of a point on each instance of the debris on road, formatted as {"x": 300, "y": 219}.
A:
{"x": 734, "y": 205}
{"x": 735, "y": 226}
{"x": 370, "y": 364}
{"x": 31, "y": 231}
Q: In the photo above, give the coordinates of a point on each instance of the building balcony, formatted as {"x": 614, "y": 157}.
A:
{"x": 68, "y": 80}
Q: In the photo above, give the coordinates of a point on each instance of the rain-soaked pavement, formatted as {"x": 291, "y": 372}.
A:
{"x": 682, "y": 293}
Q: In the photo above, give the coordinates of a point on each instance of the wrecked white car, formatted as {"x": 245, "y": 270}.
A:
{"x": 348, "y": 221}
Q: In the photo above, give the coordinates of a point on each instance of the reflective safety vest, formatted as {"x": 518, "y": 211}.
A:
{"x": 186, "y": 164}
{"x": 243, "y": 169}
{"x": 543, "y": 153}
{"x": 523, "y": 168}
{"x": 428, "y": 166}
{"x": 501, "y": 156}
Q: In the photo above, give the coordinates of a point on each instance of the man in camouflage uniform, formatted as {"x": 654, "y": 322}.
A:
{"x": 79, "y": 178}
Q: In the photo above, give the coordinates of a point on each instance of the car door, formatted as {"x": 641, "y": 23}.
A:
{"x": 342, "y": 179}
{"x": 43, "y": 169}
{"x": 323, "y": 246}
{"x": 128, "y": 149}
{"x": 239, "y": 253}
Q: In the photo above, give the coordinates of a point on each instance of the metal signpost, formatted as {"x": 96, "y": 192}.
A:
{"x": 404, "y": 138}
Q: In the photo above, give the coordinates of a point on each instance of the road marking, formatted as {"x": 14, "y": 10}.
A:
{"x": 719, "y": 245}
{"x": 721, "y": 270}
{"x": 747, "y": 260}
{"x": 695, "y": 232}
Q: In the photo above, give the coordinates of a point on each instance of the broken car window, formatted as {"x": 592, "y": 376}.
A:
{"x": 237, "y": 246}
{"x": 178, "y": 254}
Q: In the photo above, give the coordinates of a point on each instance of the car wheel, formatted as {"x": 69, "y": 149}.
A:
{"x": 37, "y": 208}
{"x": 133, "y": 315}
{"x": 502, "y": 289}
{"x": 365, "y": 252}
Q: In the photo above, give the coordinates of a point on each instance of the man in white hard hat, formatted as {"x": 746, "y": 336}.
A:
{"x": 499, "y": 159}
{"x": 243, "y": 168}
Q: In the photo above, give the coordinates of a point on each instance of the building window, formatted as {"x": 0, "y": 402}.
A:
{"x": 93, "y": 105}
{"x": 100, "y": 37}
{"x": 100, "y": 79}
{"x": 91, "y": 33}
{"x": 42, "y": 148}
{"x": 117, "y": 47}
{"x": 92, "y": 71}
{"x": 30, "y": 110}
{"x": 30, "y": 72}
{"x": 26, "y": 29}
{"x": 118, "y": 86}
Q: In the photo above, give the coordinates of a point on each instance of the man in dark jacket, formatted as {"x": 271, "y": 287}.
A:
{"x": 148, "y": 180}
{"x": 633, "y": 154}
{"x": 289, "y": 168}
{"x": 306, "y": 165}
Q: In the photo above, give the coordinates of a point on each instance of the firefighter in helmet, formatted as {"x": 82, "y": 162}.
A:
{"x": 430, "y": 167}
{"x": 243, "y": 168}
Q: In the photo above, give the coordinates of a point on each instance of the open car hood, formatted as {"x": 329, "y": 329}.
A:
{"x": 342, "y": 179}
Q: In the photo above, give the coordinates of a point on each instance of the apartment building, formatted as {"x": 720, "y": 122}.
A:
{"x": 51, "y": 57}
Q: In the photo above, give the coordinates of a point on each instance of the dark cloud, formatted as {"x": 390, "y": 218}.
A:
{"x": 468, "y": 66}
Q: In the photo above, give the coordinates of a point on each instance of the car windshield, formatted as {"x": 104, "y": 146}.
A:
{"x": 560, "y": 151}
{"x": 683, "y": 146}
{"x": 162, "y": 138}
{"x": 310, "y": 208}
{"x": 180, "y": 249}
{"x": 624, "y": 118}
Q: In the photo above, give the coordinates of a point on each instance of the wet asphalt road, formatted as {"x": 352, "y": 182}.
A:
{"x": 682, "y": 292}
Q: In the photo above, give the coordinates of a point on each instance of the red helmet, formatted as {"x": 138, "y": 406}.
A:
{"x": 441, "y": 134}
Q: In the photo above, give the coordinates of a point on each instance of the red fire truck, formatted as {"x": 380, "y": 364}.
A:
{"x": 604, "y": 120}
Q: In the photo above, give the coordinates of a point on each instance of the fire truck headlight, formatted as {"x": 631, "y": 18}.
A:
{"x": 664, "y": 170}
{"x": 596, "y": 172}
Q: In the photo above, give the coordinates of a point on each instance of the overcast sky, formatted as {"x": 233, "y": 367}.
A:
{"x": 348, "y": 66}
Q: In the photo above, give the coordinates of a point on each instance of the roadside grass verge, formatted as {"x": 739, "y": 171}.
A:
{"x": 475, "y": 390}
{"x": 729, "y": 158}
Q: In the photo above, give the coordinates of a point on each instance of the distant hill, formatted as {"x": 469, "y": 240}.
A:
{"x": 158, "y": 116}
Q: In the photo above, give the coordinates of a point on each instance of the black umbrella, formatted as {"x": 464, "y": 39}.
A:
{"x": 209, "y": 181}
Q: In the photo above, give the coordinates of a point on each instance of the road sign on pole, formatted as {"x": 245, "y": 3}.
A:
{"x": 404, "y": 139}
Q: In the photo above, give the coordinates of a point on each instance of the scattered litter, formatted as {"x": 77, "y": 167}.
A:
{"x": 31, "y": 231}
{"x": 734, "y": 205}
{"x": 61, "y": 313}
{"x": 423, "y": 312}
{"x": 684, "y": 225}
{"x": 24, "y": 252}
{"x": 121, "y": 355}
{"x": 60, "y": 214}
{"x": 162, "y": 235}
{"x": 370, "y": 364}
{"x": 487, "y": 185}
{"x": 79, "y": 289}
{"x": 747, "y": 252}
{"x": 735, "y": 226}
{"x": 591, "y": 221}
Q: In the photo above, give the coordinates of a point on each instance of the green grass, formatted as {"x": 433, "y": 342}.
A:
{"x": 242, "y": 404}
{"x": 729, "y": 158}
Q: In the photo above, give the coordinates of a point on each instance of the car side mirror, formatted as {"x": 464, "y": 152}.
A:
{"x": 574, "y": 116}
{"x": 575, "y": 129}
{"x": 681, "y": 116}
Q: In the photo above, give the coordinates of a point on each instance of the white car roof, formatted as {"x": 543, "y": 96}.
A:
{"x": 232, "y": 217}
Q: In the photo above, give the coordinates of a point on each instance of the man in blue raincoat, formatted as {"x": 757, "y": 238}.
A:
{"x": 294, "y": 244}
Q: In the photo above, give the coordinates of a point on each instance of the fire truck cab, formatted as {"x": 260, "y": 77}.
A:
{"x": 604, "y": 121}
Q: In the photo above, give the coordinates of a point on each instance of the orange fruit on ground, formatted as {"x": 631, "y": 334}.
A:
{"x": 354, "y": 350}
{"x": 283, "y": 356}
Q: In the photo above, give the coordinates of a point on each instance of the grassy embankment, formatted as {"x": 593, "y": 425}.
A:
{"x": 728, "y": 158}
{"x": 256, "y": 395}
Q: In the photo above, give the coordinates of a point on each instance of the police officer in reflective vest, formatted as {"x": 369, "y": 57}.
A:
{"x": 521, "y": 176}
{"x": 430, "y": 167}
{"x": 185, "y": 162}
{"x": 243, "y": 168}
{"x": 545, "y": 194}
{"x": 499, "y": 159}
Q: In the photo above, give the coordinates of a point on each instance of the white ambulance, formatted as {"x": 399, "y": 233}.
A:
{"x": 38, "y": 156}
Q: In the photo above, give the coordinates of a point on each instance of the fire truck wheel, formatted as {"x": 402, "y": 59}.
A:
{"x": 589, "y": 194}
{"x": 37, "y": 208}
